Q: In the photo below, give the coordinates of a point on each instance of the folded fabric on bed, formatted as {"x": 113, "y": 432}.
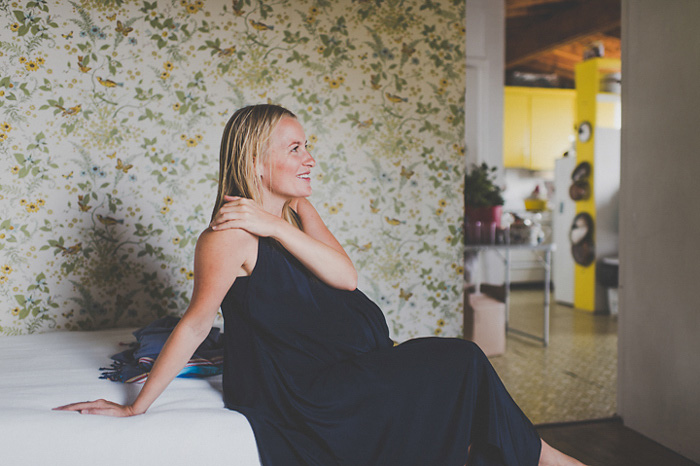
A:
{"x": 134, "y": 364}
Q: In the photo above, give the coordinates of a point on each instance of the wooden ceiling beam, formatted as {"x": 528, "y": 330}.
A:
{"x": 584, "y": 19}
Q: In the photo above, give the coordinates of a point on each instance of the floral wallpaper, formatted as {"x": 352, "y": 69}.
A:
{"x": 111, "y": 113}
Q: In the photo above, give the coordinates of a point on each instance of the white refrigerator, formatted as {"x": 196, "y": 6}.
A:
{"x": 563, "y": 213}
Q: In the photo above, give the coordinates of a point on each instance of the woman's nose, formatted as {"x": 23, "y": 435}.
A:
{"x": 310, "y": 161}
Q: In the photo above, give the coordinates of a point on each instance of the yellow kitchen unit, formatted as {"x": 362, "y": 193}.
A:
{"x": 598, "y": 120}
{"x": 538, "y": 127}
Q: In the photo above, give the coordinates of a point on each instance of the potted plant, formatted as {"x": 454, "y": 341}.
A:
{"x": 483, "y": 201}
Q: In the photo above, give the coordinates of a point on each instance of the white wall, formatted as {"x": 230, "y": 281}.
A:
{"x": 659, "y": 336}
{"x": 485, "y": 32}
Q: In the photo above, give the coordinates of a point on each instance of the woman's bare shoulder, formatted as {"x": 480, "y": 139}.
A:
{"x": 237, "y": 245}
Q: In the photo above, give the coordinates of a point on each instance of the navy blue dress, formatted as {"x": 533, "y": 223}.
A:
{"x": 314, "y": 371}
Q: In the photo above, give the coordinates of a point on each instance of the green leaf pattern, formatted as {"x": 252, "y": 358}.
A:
{"x": 111, "y": 112}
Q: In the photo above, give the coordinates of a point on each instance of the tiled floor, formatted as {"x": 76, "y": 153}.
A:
{"x": 575, "y": 377}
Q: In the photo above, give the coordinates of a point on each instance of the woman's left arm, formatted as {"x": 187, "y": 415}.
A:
{"x": 315, "y": 247}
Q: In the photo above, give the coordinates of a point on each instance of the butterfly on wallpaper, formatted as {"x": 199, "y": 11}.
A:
{"x": 83, "y": 203}
{"x": 112, "y": 155}
{"x": 112, "y": 17}
{"x": 124, "y": 30}
{"x": 81, "y": 65}
{"x": 404, "y": 295}
{"x": 68, "y": 176}
{"x": 68, "y": 36}
{"x": 122, "y": 167}
{"x": 406, "y": 173}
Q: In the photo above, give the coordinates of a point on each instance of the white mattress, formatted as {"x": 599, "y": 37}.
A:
{"x": 187, "y": 425}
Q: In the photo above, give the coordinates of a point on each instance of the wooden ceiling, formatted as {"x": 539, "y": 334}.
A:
{"x": 550, "y": 36}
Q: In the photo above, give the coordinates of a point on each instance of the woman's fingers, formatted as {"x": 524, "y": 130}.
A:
{"x": 103, "y": 407}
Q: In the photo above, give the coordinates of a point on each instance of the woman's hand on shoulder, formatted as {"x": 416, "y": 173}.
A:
{"x": 102, "y": 407}
{"x": 245, "y": 214}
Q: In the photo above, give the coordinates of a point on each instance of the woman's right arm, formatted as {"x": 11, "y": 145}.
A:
{"x": 219, "y": 258}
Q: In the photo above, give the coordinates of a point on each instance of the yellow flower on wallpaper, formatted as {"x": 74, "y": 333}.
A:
{"x": 168, "y": 66}
{"x": 6, "y": 269}
{"x": 31, "y": 66}
{"x": 14, "y": 27}
{"x": 191, "y": 142}
{"x": 3, "y": 136}
{"x": 164, "y": 75}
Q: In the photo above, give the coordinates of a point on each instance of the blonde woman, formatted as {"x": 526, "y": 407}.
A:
{"x": 308, "y": 358}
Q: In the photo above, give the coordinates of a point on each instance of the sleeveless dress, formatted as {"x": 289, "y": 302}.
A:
{"x": 315, "y": 373}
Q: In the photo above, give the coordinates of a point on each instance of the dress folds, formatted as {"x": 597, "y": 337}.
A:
{"x": 322, "y": 384}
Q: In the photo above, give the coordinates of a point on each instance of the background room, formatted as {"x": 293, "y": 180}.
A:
{"x": 536, "y": 71}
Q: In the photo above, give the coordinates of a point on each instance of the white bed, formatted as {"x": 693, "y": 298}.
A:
{"x": 187, "y": 425}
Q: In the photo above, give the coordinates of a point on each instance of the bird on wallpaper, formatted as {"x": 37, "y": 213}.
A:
{"x": 395, "y": 98}
{"x": 69, "y": 251}
{"x": 108, "y": 82}
{"x": 108, "y": 220}
{"x": 365, "y": 247}
{"x": 82, "y": 67}
{"x": 258, "y": 26}
{"x": 70, "y": 111}
{"x": 394, "y": 221}
{"x": 404, "y": 295}
{"x": 366, "y": 123}
{"x": 227, "y": 52}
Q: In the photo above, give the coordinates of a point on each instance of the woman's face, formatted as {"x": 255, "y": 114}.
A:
{"x": 286, "y": 170}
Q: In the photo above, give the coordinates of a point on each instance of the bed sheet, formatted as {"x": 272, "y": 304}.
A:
{"x": 187, "y": 424}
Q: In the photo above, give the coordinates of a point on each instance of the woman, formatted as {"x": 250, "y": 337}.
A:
{"x": 308, "y": 358}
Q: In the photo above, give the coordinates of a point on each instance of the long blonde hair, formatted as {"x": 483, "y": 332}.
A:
{"x": 243, "y": 145}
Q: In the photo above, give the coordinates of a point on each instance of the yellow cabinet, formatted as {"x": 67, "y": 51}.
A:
{"x": 538, "y": 126}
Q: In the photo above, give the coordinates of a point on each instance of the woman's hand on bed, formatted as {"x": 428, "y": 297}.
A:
{"x": 246, "y": 214}
{"x": 103, "y": 407}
